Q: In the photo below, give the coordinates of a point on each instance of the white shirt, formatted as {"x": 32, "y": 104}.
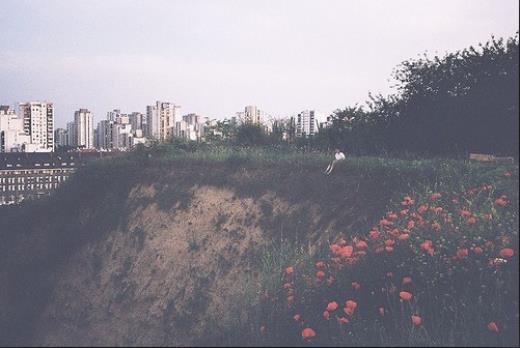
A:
{"x": 339, "y": 156}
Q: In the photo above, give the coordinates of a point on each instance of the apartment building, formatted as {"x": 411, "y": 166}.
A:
{"x": 84, "y": 129}
{"x": 161, "y": 119}
{"x": 38, "y": 124}
{"x": 12, "y": 134}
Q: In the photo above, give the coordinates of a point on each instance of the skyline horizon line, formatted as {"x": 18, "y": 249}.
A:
{"x": 16, "y": 104}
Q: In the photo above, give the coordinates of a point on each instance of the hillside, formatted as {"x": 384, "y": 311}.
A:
{"x": 167, "y": 251}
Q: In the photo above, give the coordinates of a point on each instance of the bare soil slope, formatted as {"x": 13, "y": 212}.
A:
{"x": 162, "y": 255}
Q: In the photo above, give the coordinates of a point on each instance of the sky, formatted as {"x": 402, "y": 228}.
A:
{"x": 213, "y": 57}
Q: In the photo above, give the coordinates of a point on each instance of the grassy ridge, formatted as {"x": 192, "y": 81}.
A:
{"x": 351, "y": 201}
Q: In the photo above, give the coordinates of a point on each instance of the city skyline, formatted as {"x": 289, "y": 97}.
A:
{"x": 213, "y": 57}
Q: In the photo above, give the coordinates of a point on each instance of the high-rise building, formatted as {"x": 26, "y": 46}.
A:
{"x": 161, "y": 120}
{"x": 250, "y": 115}
{"x": 84, "y": 128}
{"x": 12, "y": 135}
{"x": 38, "y": 123}
{"x": 306, "y": 123}
{"x": 138, "y": 122}
{"x": 104, "y": 134}
{"x": 121, "y": 134}
{"x": 60, "y": 137}
{"x": 71, "y": 134}
{"x": 113, "y": 115}
{"x": 190, "y": 127}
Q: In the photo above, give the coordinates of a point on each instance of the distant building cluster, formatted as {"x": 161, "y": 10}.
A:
{"x": 30, "y": 128}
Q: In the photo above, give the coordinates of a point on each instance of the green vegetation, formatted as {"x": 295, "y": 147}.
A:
{"x": 350, "y": 203}
{"x": 453, "y": 252}
{"x": 463, "y": 102}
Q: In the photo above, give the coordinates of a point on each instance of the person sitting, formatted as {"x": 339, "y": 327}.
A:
{"x": 338, "y": 157}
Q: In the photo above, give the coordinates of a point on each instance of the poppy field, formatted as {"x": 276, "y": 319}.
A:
{"x": 440, "y": 267}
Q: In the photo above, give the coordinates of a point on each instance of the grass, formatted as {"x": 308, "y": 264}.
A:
{"x": 350, "y": 202}
{"x": 477, "y": 295}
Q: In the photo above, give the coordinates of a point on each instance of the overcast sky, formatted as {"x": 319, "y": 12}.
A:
{"x": 214, "y": 57}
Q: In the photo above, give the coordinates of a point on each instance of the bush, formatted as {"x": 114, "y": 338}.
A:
{"x": 439, "y": 268}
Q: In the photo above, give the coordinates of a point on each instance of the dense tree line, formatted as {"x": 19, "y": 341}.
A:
{"x": 463, "y": 102}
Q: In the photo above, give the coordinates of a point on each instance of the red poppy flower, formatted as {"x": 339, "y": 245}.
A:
{"x": 416, "y": 320}
{"x": 343, "y": 320}
{"x": 374, "y": 234}
{"x": 346, "y": 251}
{"x": 436, "y": 226}
{"x": 391, "y": 215}
{"x": 507, "y": 252}
{"x": 385, "y": 222}
{"x": 471, "y": 220}
{"x": 361, "y": 244}
{"x": 395, "y": 232}
{"x": 351, "y": 304}
{"x": 478, "y": 250}
{"x": 356, "y": 285}
{"x": 462, "y": 253}
{"x": 405, "y": 295}
{"x": 389, "y": 242}
{"x": 435, "y": 196}
{"x": 297, "y": 317}
{"x": 492, "y": 326}
{"x": 423, "y": 208}
{"x": 427, "y": 244}
{"x": 335, "y": 249}
{"x": 407, "y": 200}
{"x": 437, "y": 210}
{"x": 326, "y": 315}
{"x": 382, "y": 311}
{"x": 349, "y": 311}
{"x": 332, "y": 306}
{"x": 404, "y": 236}
{"x": 464, "y": 212}
{"x": 407, "y": 280}
{"x": 308, "y": 333}
{"x": 501, "y": 201}
{"x": 289, "y": 270}
{"x": 320, "y": 274}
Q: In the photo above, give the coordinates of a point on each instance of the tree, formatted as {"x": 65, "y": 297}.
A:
{"x": 250, "y": 135}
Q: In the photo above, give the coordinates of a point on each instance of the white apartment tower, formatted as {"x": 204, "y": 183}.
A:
{"x": 190, "y": 127}
{"x": 12, "y": 135}
{"x": 251, "y": 115}
{"x": 38, "y": 123}
{"x": 160, "y": 119}
{"x": 306, "y": 123}
{"x": 84, "y": 128}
